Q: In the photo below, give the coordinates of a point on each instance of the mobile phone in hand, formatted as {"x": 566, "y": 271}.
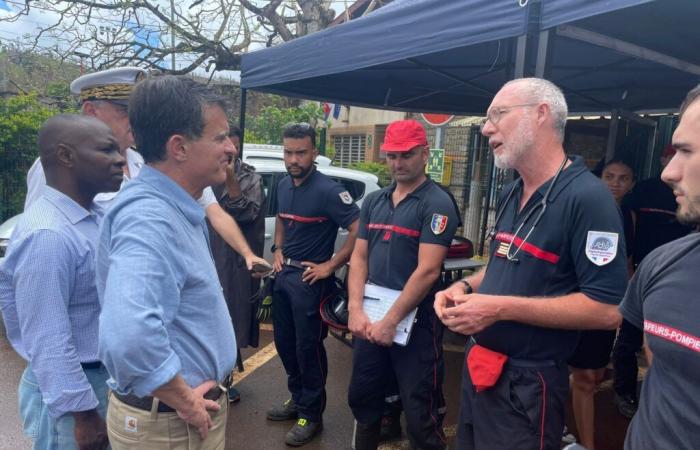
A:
{"x": 261, "y": 268}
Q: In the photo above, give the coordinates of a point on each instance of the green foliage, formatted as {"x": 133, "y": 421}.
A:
{"x": 33, "y": 72}
{"x": 330, "y": 152}
{"x": 20, "y": 120}
{"x": 379, "y": 169}
{"x": 266, "y": 127}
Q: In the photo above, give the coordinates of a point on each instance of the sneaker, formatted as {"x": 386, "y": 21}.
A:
{"x": 233, "y": 395}
{"x": 286, "y": 411}
{"x": 566, "y": 437}
{"x": 303, "y": 432}
{"x": 390, "y": 428}
{"x": 627, "y": 405}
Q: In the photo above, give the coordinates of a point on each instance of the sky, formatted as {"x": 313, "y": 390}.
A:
{"x": 37, "y": 18}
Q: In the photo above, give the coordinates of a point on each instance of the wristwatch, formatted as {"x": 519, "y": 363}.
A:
{"x": 467, "y": 287}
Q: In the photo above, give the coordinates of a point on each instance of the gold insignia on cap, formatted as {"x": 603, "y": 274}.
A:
{"x": 107, "y": 92}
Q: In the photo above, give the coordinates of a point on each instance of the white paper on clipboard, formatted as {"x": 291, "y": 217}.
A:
{"x": 376, "y": 303}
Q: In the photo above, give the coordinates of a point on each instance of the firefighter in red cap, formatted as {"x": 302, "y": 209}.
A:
{"x": 405, "y": 231}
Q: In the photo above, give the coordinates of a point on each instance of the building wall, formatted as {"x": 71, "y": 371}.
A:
{"x": 351, "y": 116}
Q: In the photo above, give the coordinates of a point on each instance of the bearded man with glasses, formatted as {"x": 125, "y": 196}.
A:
{"x": 556, "y": 265}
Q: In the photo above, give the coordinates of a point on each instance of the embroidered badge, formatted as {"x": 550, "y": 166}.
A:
{"x": 131, "y": 424}
{"x": 345, "y": 197}
{"x": 601, "y": 247}
{"x": 438, "y": 224}
{"x": 502, "y": 249}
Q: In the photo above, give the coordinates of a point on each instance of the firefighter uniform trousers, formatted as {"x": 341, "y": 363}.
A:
{"x": 299, "y": 333}
{"x": 419, "y": 368}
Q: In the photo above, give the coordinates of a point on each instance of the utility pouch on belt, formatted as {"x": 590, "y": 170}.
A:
{"x": 485, "y": 367}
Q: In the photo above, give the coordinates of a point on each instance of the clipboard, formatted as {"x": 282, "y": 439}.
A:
{"x": 376, "y": 303}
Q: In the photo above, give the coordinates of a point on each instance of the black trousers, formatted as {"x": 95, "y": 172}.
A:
{"x": 523, "y": 411}
{"x": 417, "y": 369}
{"x": 299, "y": 333}
{"x": 629, "y": 341}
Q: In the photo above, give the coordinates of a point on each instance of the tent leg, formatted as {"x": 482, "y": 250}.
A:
{"x": 520, "y": 47}
{"x": 612, "y": 135}
{"x": 241, "y": 120}
{"x": 541, "y": 61}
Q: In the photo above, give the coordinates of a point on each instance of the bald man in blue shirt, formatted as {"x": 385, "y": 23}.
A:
{"x": 47, "y": 287}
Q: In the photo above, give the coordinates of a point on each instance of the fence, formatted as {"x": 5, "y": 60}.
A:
{"x": 475, "y": 182}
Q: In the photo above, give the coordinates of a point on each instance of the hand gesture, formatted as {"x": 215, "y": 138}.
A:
{"x": 448, "y": 298}
{"x": 197, "y": 414}
{"x": 316, "y": 272}
{"x": 358, "y": 324}
{"x": 278, "y": 260}
{"x": 382, "y": 332}
{"x": 472, "y": 313}
{"x": 90, "y": 430}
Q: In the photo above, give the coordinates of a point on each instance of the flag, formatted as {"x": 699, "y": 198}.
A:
{"x": 326, "y": 111}
{"x": 336, "y": 111}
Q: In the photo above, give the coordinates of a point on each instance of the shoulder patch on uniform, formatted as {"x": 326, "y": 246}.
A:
{"x": 438, "y": 223}
{"x": 345, "y": 197}
{"x": 601, "y": 247}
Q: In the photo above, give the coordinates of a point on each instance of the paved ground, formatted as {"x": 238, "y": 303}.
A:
{"x": 263, "y": 384}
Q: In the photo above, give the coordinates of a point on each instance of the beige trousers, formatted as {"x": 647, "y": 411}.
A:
{"x": 131, "y": 428}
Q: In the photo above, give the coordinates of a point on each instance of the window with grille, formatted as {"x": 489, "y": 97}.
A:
{"x": 349, "y": 149}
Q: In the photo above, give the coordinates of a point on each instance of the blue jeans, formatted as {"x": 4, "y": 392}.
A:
{"x": 54, "y": 433}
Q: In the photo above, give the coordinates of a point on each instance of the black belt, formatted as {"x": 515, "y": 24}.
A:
{"x": 146, "y": 403}
{"x": 294, "y": 263}
{"x": 91, "y": 365}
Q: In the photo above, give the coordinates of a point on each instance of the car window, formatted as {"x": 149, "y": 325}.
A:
{"x": 263, "y": 158}
{"x": 269, "y": 182}
{"x": 354, "y": 187}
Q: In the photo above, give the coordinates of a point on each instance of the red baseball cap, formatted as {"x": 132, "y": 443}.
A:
{"x": 403, "y": 135}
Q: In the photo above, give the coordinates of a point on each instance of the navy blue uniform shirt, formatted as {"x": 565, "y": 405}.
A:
{"x": 425, "y": 216}
{"x": 311, "y": 214}
{"x": 654, "y": 205}
{"x": 581, "y": 214}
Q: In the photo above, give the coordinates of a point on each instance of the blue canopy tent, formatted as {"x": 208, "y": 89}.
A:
{"x": 452, "y": 56}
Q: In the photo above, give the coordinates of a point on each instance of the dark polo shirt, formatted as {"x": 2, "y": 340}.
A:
{"x": 662, "y": 299}
{"x": 654, "y": 206}
{"x": 312, "y": 213}
{"x": 425, "y": 216}
{"x": 552, "y": 260}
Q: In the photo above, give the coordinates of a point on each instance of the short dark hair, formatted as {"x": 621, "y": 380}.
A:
{"x": 300, "y": 131}
{"x": 621, "y": 162}
{"x": 163, "y": 106}
{"x": 693, "y": 95}
{"x": 233, "y": 130}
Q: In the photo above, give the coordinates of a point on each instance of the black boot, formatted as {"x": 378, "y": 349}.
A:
{"x": 366, "y": 436}
{"x": 390, "y": 429}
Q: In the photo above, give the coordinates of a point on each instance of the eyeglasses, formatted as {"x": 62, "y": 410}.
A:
{"x": 494, "y": 115}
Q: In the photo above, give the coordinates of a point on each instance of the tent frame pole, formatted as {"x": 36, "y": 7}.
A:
{"x": 241, "y": 119}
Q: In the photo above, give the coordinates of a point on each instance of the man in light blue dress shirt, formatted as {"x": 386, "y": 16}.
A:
{"x": 165, "y": 334}
{"x": 47, "y": 287}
